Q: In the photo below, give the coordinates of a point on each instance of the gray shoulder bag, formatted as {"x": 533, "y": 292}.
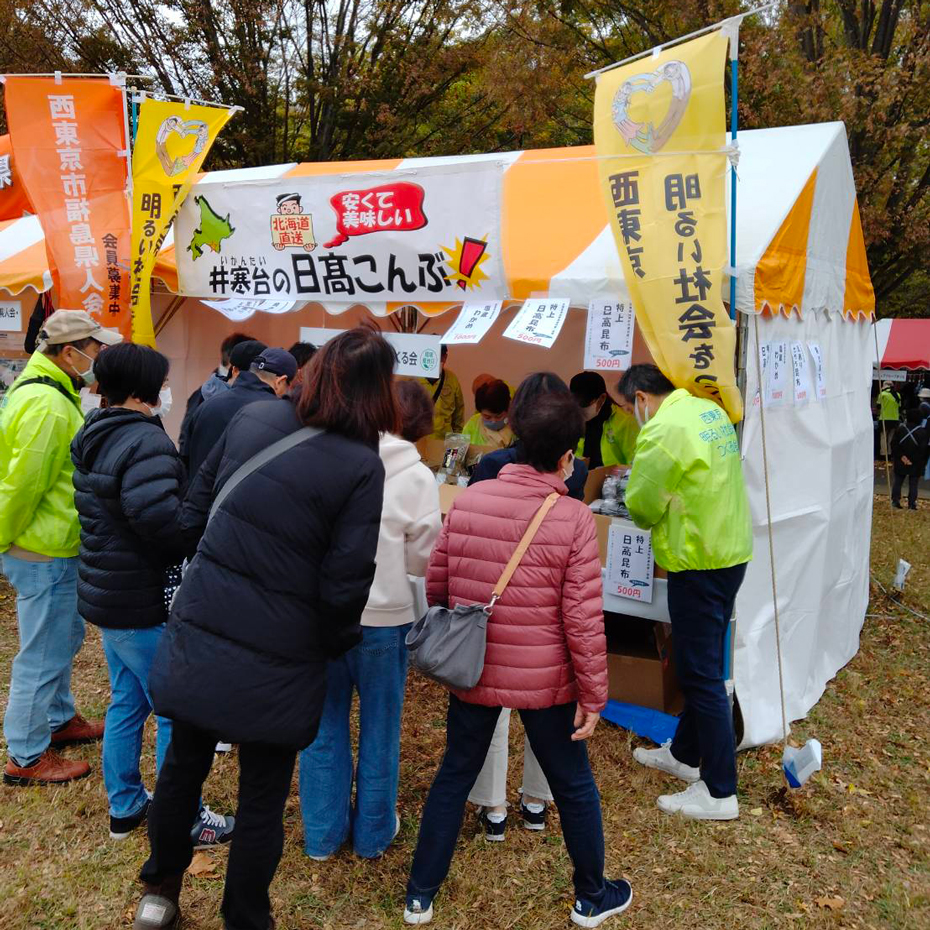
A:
{"x": 449, "y": 645}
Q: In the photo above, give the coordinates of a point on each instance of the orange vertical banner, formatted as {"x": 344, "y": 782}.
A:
{"x": 69, "y": 145}
{"x": 13, "y": 200}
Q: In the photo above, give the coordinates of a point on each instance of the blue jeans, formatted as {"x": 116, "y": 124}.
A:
{"x": 377, "y": 669}
{"x": 469, "y": 730}
{"x": 129, "y": 658}
{"x": 700, "y": 605}
{"x": 51, "y": 633}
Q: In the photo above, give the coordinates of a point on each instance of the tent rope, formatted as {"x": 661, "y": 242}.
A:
{"x": 768, "y": 513}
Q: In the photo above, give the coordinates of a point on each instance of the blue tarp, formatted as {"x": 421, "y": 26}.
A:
{"x": 643, "y": 721}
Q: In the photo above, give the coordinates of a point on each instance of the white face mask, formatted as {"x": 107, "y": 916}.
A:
{"x": 223, "y": 371}
{"x": 89, "y": 401}
{"x": 88, "y": 376}
{"x": 570, "y": 470}
{"x": 164, "y": 403}
{"x": 641, "y": 418}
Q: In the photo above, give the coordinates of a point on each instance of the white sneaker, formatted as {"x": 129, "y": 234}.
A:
{"x": 663, "y": 760}
{"x": 696, "y": 803}
{"x": 418, "y": 910}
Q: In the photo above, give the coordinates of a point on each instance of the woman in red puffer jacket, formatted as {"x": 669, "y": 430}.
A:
{"x": 546, "y": 655}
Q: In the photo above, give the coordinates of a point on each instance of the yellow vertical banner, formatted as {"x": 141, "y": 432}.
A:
{"x": 663, "y": 120}
{"x": 172, "y": 140}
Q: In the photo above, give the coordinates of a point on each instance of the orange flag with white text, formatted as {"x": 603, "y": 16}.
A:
{"x": 70, "y": 149}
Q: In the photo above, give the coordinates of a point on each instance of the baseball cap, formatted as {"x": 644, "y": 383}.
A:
{"x": 924, "y": 392}
{"x": 245, "y": 353}
{"x": 72, "y": 326}
{"x": 277, "y": 362}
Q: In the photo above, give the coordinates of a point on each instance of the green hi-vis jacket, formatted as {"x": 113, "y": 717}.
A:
{"x": 618, "y": 439}
{"x": 687, "y": 487}
{"x": 449, "y": 406}
{"x": 37, "y": 424}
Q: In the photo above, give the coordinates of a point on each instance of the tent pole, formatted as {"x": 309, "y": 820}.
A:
{"x": 734, "y": 119}
{"x": 168, "y": 315}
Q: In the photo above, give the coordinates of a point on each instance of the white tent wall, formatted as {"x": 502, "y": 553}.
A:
{"x": 821, "y": 480}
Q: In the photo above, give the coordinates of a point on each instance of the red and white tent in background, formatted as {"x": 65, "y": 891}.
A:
{"x": 903, "y": 344}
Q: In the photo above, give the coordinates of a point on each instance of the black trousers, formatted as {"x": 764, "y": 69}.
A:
{"x": 258, "y": 839}
{"x": 700, "y": 605}
{"x": 469, "y": 729}
{"x": 913, "y": 485}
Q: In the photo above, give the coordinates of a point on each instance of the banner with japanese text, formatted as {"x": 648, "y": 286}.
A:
{"x": 69, "y": 145}
{"x": 422, "y": 234}
{"x": 663, "y": 119}
{"x": 172, "y": 140}
{"x": 13, "y": 200}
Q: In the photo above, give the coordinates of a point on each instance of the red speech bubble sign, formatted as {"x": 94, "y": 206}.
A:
{"x": 388, "y": 208}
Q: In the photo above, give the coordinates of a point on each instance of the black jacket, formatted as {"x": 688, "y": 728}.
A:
{"x": 128, "y": 488}
{"x": 278, "y": 584}
{"x": 211, "y": 418}
{"x": 491, "y": 464}
{"x": 214, "y": 385}
{"x": 909, "y": 440}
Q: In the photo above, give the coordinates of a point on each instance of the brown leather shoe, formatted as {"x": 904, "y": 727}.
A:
{"x": 78, "y": 730}
{"x": 51, "y": 769}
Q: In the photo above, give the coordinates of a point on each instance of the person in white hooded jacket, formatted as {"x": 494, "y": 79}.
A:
{"x": 377, "y": 667}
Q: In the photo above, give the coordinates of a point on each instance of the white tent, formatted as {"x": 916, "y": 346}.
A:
{"x": 801, "y": 268}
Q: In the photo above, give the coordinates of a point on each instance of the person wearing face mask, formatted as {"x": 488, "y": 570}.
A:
{"x": 490, "y": 426}
{"x": 687, "y": 486}
{"x": 129, "y": 484}
{"x": 258, "y": 373}
{"x": 39, "y": 416}
{"x": 610, "y": 432}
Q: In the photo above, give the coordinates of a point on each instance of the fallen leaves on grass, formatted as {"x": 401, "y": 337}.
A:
{"x": 202, "y": 866}
{"x": 831, "y": 904}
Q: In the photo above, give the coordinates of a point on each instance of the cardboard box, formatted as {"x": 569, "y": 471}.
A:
{"x": 431, "y": 451}
{"x": 640, "y": 666}
{"x": 447, "y": 494}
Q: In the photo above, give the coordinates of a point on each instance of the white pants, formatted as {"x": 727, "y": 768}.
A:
{"x": 490, "y": 788}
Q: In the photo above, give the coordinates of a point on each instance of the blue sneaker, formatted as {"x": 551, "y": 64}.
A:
{"x": 418, "y": 909}
{"x": 211, "y": 829}
{"x": 616, "y": 900}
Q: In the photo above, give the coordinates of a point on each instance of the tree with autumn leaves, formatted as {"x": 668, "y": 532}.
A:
{"x": 355, "y": 79}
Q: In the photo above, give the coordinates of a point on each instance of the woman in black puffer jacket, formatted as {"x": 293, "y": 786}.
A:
{"x": 129, "y": 483}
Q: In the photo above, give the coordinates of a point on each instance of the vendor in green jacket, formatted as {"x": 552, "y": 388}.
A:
{"x": 610, "y": 431}
{"x": 39, "y": 538}
{"x": 447, "y": 397}
{"x": 687, "y": 486}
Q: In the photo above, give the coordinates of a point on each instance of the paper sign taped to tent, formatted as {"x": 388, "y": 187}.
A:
{"x": 417, "y": 355}
{"x": 630, "y": 566}
{"x": 820, "y": 375}
{"x": 420, "y": 234}
{"x": 538, "y": 322}
{"x": 472, "y": 324}
{"x": 239, "y": 310}
{"x": 11, "y": 315}
{"x": 777, "y": 375}
{"x": 803, "y": 391}
{"x": 608, "y": 343}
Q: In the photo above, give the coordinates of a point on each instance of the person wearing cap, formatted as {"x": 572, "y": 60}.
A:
{"x": 213, "y": 416}
{"x": 448, "y": 400}
{"x": 217, "y": 383}
{"x": 889, "y": 412}
{"x": 39, "y": 539}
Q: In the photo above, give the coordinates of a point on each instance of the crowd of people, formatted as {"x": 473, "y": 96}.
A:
{"x": 904, "y": 439}
{"x": 248, "y": 584}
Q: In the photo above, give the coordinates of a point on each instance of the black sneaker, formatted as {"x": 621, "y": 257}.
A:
{"x": 533, "y": 820}
{"x": 616, "y": 900}
{"x": 121, "y": 827}
{"x": 418, "y": 909}
{"x": 211, "y": 829}
{"x": 495, "y": 832}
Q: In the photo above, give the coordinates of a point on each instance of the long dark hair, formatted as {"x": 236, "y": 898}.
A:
{"x": 348, "y": 387}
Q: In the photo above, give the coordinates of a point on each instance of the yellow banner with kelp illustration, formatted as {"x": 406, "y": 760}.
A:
{"x": 659, "y": 128}
{"x": 172, "y": 140}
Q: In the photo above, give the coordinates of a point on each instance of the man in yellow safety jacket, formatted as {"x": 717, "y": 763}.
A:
{"x": 687, "y": 487}
{"x": 39, "y": 539}
{"x": 448, "y": 400}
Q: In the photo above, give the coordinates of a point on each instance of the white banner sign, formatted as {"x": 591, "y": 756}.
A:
{"x": 539, "y": 322}
{"x": 238, "y": 310}
{"x": 777, "y": 375}
{"x": 888, "y": 374}
{"x": 630, "y": 566}
{"x": 408, "y": 235}
{"x": 11, "y": 315}
{"x": 820, "y": 375}
{"x": 417, "y": 355}
{"x": 472, "y": 324}
{"x": 608, "y": 340}
{"x": 803, "y": 391}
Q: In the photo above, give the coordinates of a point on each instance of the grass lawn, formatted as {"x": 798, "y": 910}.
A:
{"x": 851, "y": 849}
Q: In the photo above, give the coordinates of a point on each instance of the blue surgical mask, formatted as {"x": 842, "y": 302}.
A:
{"x": 495, "y": 425}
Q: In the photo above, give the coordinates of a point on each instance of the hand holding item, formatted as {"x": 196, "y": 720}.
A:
{"x": 585, "y": 722}
{"x": 906, "y": 461}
